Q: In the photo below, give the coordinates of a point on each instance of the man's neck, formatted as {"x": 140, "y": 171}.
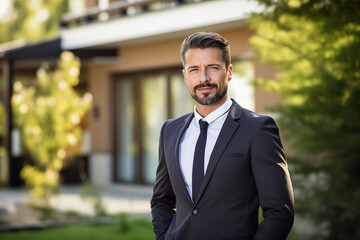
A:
{"x": 205, "y": 110}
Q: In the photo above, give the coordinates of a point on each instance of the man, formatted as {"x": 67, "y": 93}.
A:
{"x": 242, "y": 164}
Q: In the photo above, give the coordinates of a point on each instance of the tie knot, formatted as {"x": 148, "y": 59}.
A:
{"x": 203, "y": 125}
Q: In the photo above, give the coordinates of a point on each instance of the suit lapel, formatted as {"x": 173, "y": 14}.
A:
{"x": 227, "y": 131}
{"x": 180, "y": 132}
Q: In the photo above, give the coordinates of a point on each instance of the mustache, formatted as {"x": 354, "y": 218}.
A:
{"x": 205, "y": 85}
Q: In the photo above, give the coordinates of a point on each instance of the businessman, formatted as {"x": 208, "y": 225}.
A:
{"x": 222, "y": 162}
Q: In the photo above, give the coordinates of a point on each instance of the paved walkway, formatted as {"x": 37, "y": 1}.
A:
{"x": 116, "y": 198}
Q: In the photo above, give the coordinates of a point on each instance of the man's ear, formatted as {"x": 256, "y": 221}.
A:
{"x": 230, "y": 72}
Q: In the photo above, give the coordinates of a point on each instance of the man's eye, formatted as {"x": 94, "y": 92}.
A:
{"x": 214, "y": 68}
{"x": 193, "y": 70}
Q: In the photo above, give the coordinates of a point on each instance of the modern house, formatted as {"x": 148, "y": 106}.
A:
{"x": 130, "y": 53}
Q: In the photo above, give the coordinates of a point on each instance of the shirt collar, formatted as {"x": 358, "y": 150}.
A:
{"x": 214, "y": 115}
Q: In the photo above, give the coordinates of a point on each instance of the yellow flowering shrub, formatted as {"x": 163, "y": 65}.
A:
{"x": 49, "y": 114}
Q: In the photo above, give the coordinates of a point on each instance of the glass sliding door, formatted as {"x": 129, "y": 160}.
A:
{"x": 181, "y": 100}
{"x": 154, "y": 115}
{"x": 143, "y": 103}
{"x": 125, "y": 135}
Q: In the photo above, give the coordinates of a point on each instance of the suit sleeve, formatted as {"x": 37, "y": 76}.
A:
{"x": 273, "y": 182}
{"x": 163, "y": 201}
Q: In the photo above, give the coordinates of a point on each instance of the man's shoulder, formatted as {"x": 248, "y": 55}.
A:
{"x": 251, "y": 114}
{"x": 177, "y": 121}
{"x": 253, "y": 117}
{"x": 239, "y": 112}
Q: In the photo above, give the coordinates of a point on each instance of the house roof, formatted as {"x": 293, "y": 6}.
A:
{"x": 178, "y": 20}
{"x": 102, "y": 38}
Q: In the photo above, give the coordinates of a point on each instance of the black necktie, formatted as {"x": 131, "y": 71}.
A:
{"x": 198, "y": 165}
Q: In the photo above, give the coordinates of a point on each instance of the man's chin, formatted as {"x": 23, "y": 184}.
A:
{"x": 206, "y": 100}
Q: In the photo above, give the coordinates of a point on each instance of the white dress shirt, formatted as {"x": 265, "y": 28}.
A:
{"x": 215, "y": 120}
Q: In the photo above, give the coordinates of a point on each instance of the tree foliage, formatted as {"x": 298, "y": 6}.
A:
{"x": 32, "y": 20}
{"x": 2, "y": 124}
{"x": 49, "y": 115}
{"x": 315, "y": 45}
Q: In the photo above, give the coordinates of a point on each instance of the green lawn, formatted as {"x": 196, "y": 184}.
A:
{"x": 137, "y": 229}
{"x": 122, "y": 229}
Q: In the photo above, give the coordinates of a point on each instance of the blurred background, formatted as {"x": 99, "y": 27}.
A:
{"x": 86, "y": 85}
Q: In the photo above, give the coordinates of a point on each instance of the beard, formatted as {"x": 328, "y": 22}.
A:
{"x": 206, "y": 99}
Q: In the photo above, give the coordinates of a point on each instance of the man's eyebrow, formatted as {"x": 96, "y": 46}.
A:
{"x": 193, "y": 66}
{"x": 214, "y": 65}
{"x": 209, "y": 65}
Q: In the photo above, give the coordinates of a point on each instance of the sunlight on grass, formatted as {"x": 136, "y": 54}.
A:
{"x": 138, "y": 229}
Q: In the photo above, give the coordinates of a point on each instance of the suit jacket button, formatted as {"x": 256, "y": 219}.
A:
{"x": 195, "y": 212}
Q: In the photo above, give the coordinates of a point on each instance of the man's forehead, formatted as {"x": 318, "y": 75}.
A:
{"x": 195, "y": 56}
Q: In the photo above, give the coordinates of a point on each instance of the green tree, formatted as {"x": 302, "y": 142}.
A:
{"x": 2, "y": 124}
{"x": 49, "y": 115}
{"x": 32, "y": 20}
{"x": 2, "y": 135}
{"x": 315, "y": 45}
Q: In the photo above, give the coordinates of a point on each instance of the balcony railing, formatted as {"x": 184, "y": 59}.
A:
{"x": 120, "y": 9}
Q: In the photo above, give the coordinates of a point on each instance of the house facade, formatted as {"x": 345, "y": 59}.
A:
{"x": 140, "y": 85}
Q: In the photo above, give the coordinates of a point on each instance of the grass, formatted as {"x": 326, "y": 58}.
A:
{"x": 123, "y": 228}
{"x": 137, "y": 229}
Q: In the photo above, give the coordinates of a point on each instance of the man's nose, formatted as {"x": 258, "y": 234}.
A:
{"x": 204, "y": 76}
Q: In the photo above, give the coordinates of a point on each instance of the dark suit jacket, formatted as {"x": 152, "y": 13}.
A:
{"x": 247, "y": 168}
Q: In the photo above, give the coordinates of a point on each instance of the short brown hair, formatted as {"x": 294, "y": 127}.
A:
{"x": 206, "y": 40}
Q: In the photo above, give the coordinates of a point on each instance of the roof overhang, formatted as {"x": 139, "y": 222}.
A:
{"x": 50, "y": 49}
{"x": 206, "y": 15}
{"x": 44, "y": 50}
